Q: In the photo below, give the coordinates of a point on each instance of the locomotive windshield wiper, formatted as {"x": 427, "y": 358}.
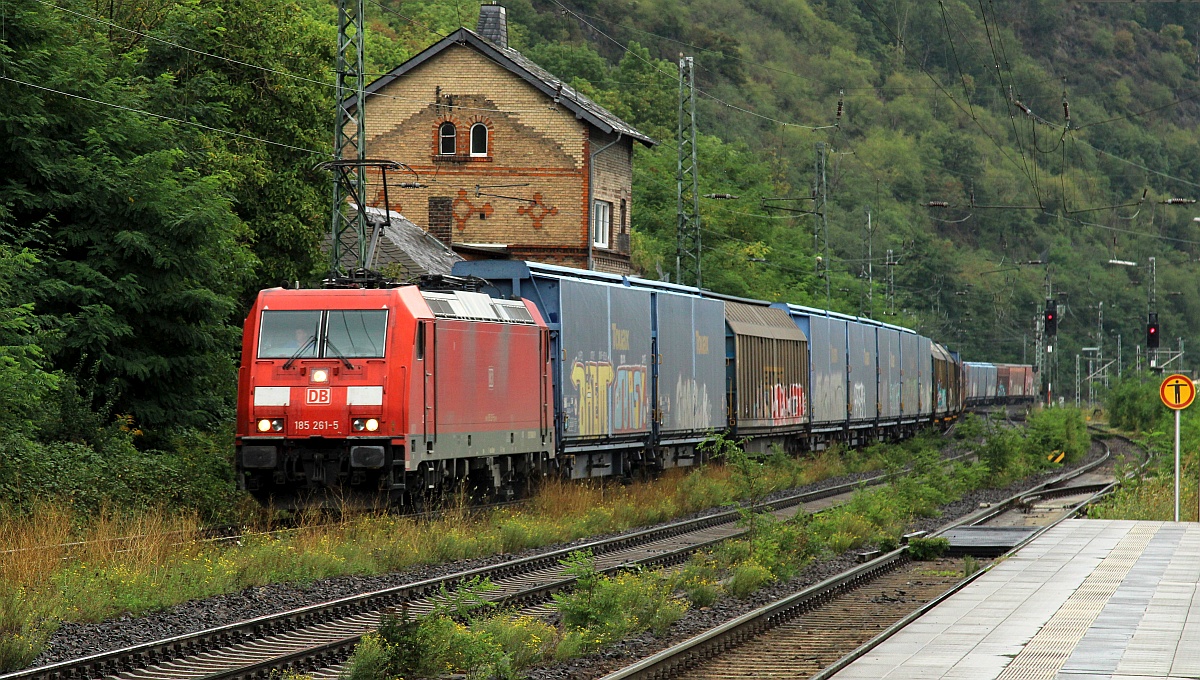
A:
{"x": 337, "y": 353}
{"x": 312, "y": 339}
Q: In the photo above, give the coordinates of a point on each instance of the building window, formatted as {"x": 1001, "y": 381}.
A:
{"x": 601, "y": 223}
{"x": 447, "y": 139}
{"x": 479, "y": 140}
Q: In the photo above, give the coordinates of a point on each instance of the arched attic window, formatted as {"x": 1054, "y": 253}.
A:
{"x": 447, "y": 139}
{"x": 479, "y": 140}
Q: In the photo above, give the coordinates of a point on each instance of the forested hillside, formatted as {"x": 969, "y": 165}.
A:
{"x": 159, "y": 169}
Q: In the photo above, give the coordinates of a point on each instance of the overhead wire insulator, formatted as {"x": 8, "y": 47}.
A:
{"x": 841, "y": 104}
{"x": 937, "y": 204}
{"x": 1017, "y": 102}
{"x": 1179, "y": 201}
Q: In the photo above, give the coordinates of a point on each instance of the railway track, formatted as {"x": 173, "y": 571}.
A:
{"x": 816, "y": 632}
{"x": 319, "y": 635}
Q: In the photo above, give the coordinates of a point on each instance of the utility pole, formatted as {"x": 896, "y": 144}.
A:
{"x": 822, "y": 196}
{"x": 348, "y": 249}
{"x": 1077, "y": 381}
{"x": 870, "y": 268}
{"x": 1152, "y": 307}
{"x": 687, "y": 230}
{"x": 891, "y": 289}
{"x": 1047, "y": 356}
{"x": 1099, "y": 352}
{"x": 1151, "y": 294}
{"x": 1039, "y": 353}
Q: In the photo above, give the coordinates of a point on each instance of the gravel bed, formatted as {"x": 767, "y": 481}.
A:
{"x": 73, "y": 640}
{"x": 697, "y": 621}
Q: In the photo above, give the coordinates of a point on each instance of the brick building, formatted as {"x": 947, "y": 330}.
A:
{"x": 514, "y": 162}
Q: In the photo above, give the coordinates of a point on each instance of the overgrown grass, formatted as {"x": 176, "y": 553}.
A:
{"x": 1151, "y": 496}
{"x": 1133, "y": 405}
{"x": 105, "y": 577}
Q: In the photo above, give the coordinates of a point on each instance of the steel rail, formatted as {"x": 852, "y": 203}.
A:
{"x": 333, "y": 652}
{"x": 1104, "y": 491}
{"x": 336, "y": 651}
{"x": 670, "y": 662}
{"x": 141, "y": 655}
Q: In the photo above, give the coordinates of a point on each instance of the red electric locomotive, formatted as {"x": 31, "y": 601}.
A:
{"x": 391, "y": 393}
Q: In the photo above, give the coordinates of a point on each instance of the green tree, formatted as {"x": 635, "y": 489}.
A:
{"x": 138, "y": 251}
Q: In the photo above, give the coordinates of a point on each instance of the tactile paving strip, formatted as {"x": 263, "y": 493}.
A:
{"x": 1046, "y": 653}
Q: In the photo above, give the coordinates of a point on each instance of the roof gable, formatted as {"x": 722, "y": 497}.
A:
{"x": 554, "y": 88}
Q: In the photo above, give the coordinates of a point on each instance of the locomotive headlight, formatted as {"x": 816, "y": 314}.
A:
{"x": 368, "y": 424}
{"x": 277, "y": 424}
{"x": 264, "y": 425}
{"x": 320, "y": 375}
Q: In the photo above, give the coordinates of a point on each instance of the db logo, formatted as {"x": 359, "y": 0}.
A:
{"x": 317, "y": 395}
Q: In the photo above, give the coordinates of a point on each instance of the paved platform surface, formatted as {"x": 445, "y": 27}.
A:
{"x": 1089, "y": 599}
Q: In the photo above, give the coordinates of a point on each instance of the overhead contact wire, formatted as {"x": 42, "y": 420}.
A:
{"x": 162, "y": 117}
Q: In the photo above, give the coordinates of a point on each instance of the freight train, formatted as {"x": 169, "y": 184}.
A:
{"x": 508, "y": 371}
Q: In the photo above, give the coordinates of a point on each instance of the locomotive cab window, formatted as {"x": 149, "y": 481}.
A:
{"x": 355, "y": 333}
{"x": 287, "y": 334}
{"x": 338, "y": 333}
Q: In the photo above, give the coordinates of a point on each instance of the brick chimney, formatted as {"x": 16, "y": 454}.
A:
{"x": 493, "y": 24}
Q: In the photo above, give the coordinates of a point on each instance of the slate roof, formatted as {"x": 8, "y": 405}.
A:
{"x": 408, "y": 245}
{"x": 535, "y": 75}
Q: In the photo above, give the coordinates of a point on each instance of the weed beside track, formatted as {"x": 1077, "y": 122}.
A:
{"x": 46, "y": 585}
{"x": 604, "y": 611}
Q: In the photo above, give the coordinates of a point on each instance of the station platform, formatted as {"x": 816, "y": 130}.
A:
{"x": 1089, "y": 599}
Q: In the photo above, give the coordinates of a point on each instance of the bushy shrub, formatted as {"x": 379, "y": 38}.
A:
{"x": 608, "y": 608}
{"x": 699, "y": 580}
{"x": 1133, "y": 404}
{"x": 969, "y": 428}
{"x": 1058, "y": 429}
{"x": 747, "y": 578}
{"x": 928, "y": 548}
{"x": 195, "y": 474}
